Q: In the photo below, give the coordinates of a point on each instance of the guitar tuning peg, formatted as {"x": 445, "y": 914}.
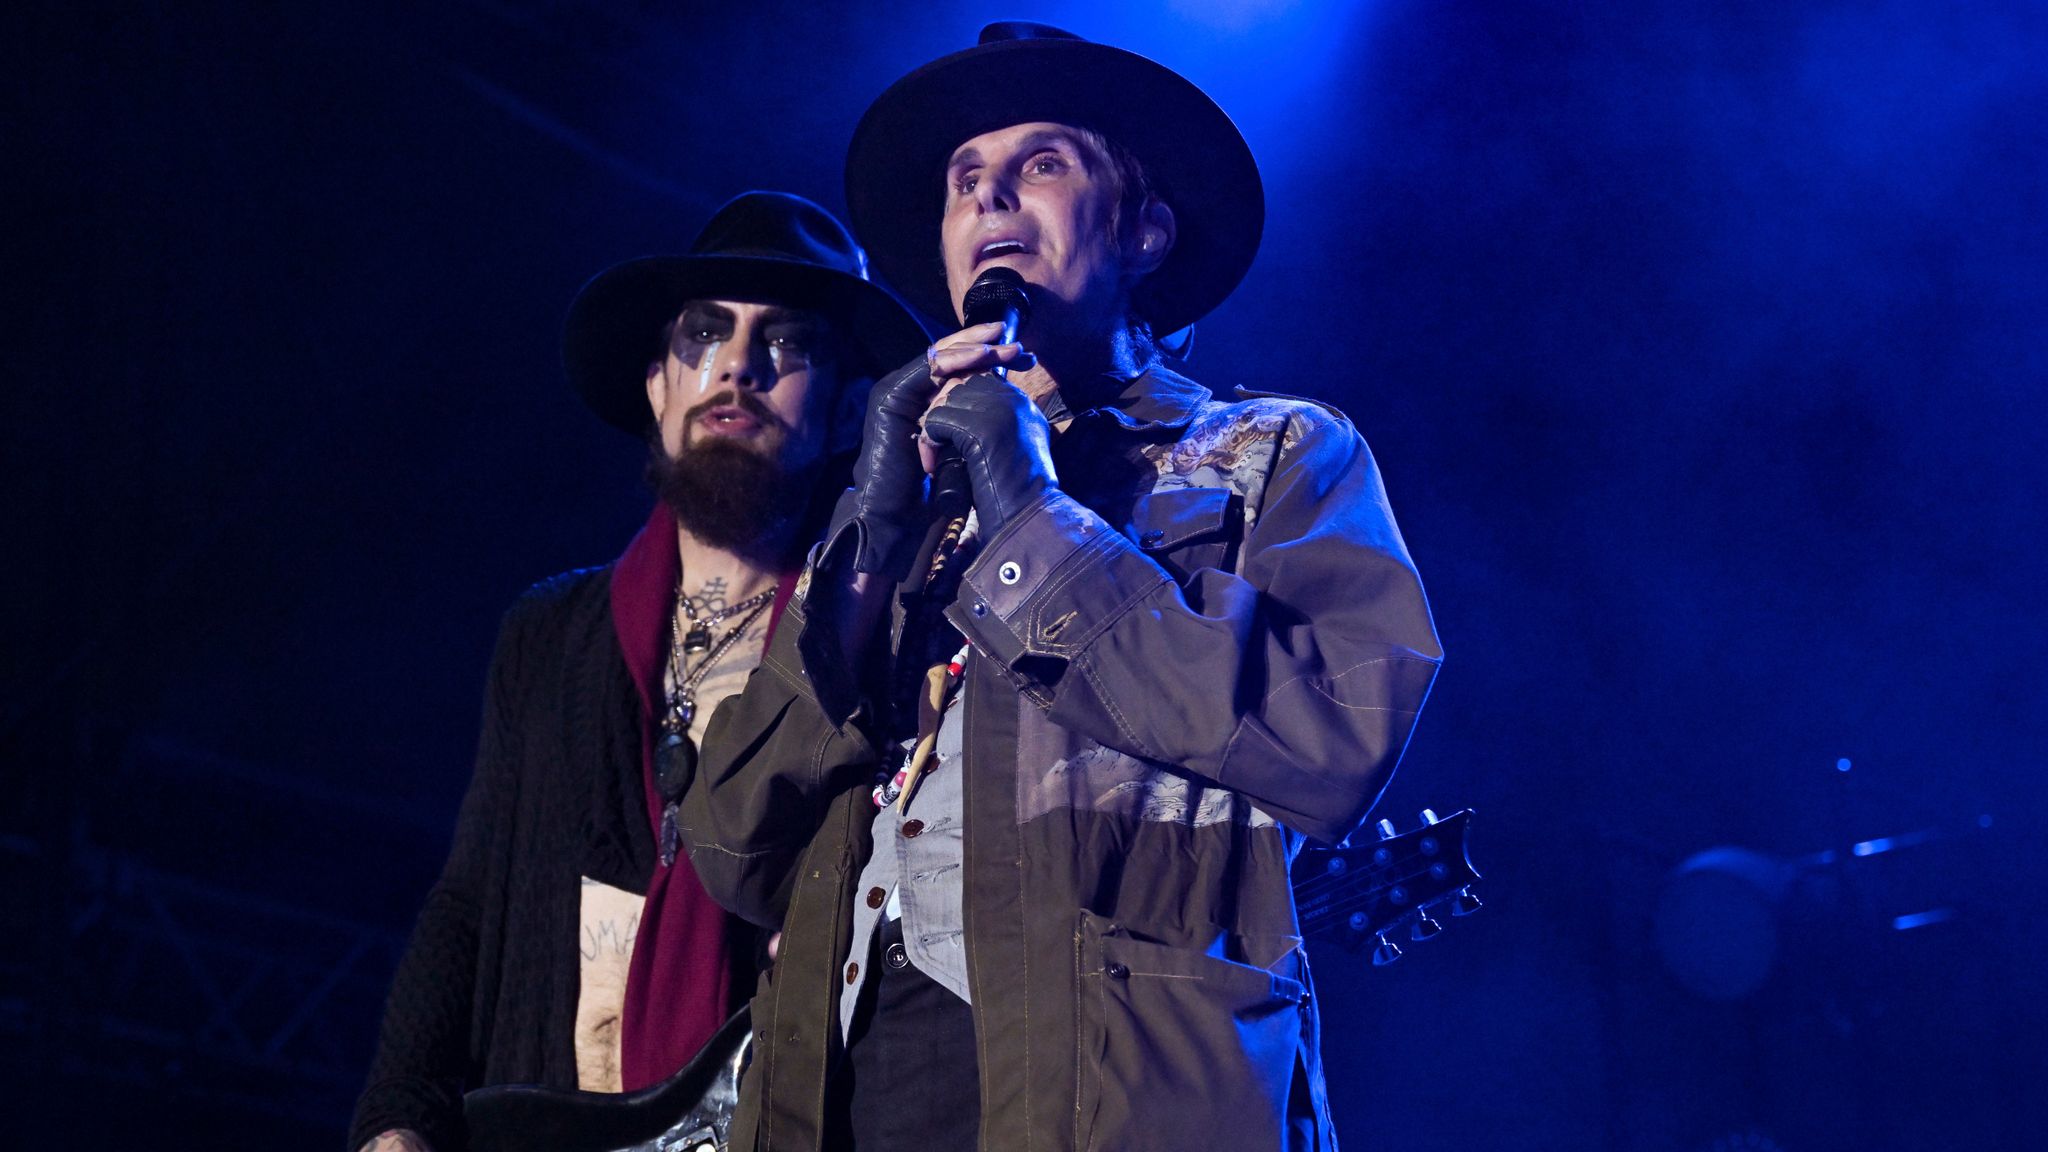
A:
{"x": 1425, "y": 928}
{"x": 1386, "y": 953}
{"x": 1385, "y": 828}
{"x": 1429, "y": 816}
{"x": 1466, "y": 903}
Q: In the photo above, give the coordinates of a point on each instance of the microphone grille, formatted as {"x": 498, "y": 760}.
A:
{"x": 994, "y": 293}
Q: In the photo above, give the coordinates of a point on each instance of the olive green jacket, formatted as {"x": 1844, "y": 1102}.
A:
{"x": 1208, "y": 643}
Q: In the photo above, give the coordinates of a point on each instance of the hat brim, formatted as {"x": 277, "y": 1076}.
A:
{"x": 1196, "y": 159}
{"x": 613, "y": 330}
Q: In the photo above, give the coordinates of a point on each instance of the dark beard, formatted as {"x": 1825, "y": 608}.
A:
{"x": 733, "y": 498}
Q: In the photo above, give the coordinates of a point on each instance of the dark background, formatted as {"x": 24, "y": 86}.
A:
{"x": 1701, "y": 347}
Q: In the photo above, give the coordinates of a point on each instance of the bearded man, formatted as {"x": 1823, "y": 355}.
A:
{"x": 1025, "y": 824}
{"x": 566, "y": 942}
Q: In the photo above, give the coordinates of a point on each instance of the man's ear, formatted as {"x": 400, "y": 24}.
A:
{"x": 1154, "y": 239}
{"x": 657, "y": 391}
{"x": 849, "y": 413}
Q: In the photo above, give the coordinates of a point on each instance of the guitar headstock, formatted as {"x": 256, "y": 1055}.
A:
{"x": 1365, "y": 892}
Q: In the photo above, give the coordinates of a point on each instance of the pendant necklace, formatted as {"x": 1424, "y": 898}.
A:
{"x": 675, "y": 754}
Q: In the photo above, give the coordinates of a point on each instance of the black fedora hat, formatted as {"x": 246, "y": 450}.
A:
{"x": 1019, "y": 73}
{"x": 770, "y": 247}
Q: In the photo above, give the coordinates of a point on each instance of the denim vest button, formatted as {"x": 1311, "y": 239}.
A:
{"x": 1117, "y": 971}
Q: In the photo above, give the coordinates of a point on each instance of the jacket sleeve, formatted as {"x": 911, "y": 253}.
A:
{"x": 424, "y": 1061}
{"x": 772, "y": 761}
{"x": 1295, "y": 683}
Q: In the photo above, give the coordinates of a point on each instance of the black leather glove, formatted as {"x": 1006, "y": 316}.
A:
{"x": 1004, "y": 440}
{"x": 887, "y": 500}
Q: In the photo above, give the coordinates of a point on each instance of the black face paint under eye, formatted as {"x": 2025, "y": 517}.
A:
{"x": 697, "y": 333}
{"x": 793, "y": 337}
{"x": 788, "y": 358}
{"x": 689, "y": 352}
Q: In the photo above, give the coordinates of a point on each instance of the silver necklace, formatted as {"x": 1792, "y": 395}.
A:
{"x": 675, "y": 754}
{"x": 698, "y": 637}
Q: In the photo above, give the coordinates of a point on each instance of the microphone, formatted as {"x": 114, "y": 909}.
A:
{"x": 997, "y": 295}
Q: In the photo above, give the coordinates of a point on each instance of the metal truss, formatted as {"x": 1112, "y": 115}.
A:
{"x": 131, "y": 972}
{"x": 236, "y": 996}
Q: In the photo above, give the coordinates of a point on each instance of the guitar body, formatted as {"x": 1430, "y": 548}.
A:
{"x": 691, "y": 1111}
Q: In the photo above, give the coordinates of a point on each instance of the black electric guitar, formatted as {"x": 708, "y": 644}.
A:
{"x": 1351, "y": 895}
{"x": 691, "y": 1111}
{"x": 1369, "y": 891}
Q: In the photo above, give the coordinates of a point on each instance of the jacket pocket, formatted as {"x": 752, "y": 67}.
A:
{"x": 1180, "y": 1049}
{"x": 1188, "y": 529}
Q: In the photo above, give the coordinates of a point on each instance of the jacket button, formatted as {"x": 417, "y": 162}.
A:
{"x": 1117, "y": 971}
{"x": 912, "y": 827}
{"x": 980, "y": 608}
{"x": 853, "y": 973}
{"x": 875, "y": 897}
{"x": 1009, "y": 573}
{"x": 1152, "y": 539}
{"x": 895, "y": 957}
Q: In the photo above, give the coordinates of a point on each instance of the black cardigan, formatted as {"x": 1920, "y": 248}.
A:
{"x": 486, "y": 993}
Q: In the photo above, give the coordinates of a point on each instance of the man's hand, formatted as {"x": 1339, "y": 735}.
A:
{"x": 888, "y": 482}
{"x": 397, "y": 1140}
{"x": 1004, "y": 440}
{"x": 964, "y": 354}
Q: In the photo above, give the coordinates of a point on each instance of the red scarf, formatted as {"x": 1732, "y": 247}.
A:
{"x": 691, "y": 968}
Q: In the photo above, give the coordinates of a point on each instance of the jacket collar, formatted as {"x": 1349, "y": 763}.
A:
{"x": 1155, "y": 400}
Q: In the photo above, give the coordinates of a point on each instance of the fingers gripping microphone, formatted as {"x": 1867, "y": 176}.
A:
{"x": 998, "y": 295}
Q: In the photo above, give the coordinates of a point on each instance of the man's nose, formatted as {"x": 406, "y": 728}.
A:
{"x": 994, "y": 193}
{"x": 744, "y": 363}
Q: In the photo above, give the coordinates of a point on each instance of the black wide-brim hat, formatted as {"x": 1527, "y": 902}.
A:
{"x": 764, "y": 247}
{"x": 1195, "y": 158}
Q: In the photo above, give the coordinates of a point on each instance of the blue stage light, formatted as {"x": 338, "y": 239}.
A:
{"x": 1234, "y": 15}
{"x": 1274, "y": 65}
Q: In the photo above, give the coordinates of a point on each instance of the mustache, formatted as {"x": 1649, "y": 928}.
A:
{"x": 746, "y": 402}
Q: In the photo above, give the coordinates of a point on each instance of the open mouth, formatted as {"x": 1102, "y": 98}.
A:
{"x": 729, "y": 420}
{"x": 996, "y": 248}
